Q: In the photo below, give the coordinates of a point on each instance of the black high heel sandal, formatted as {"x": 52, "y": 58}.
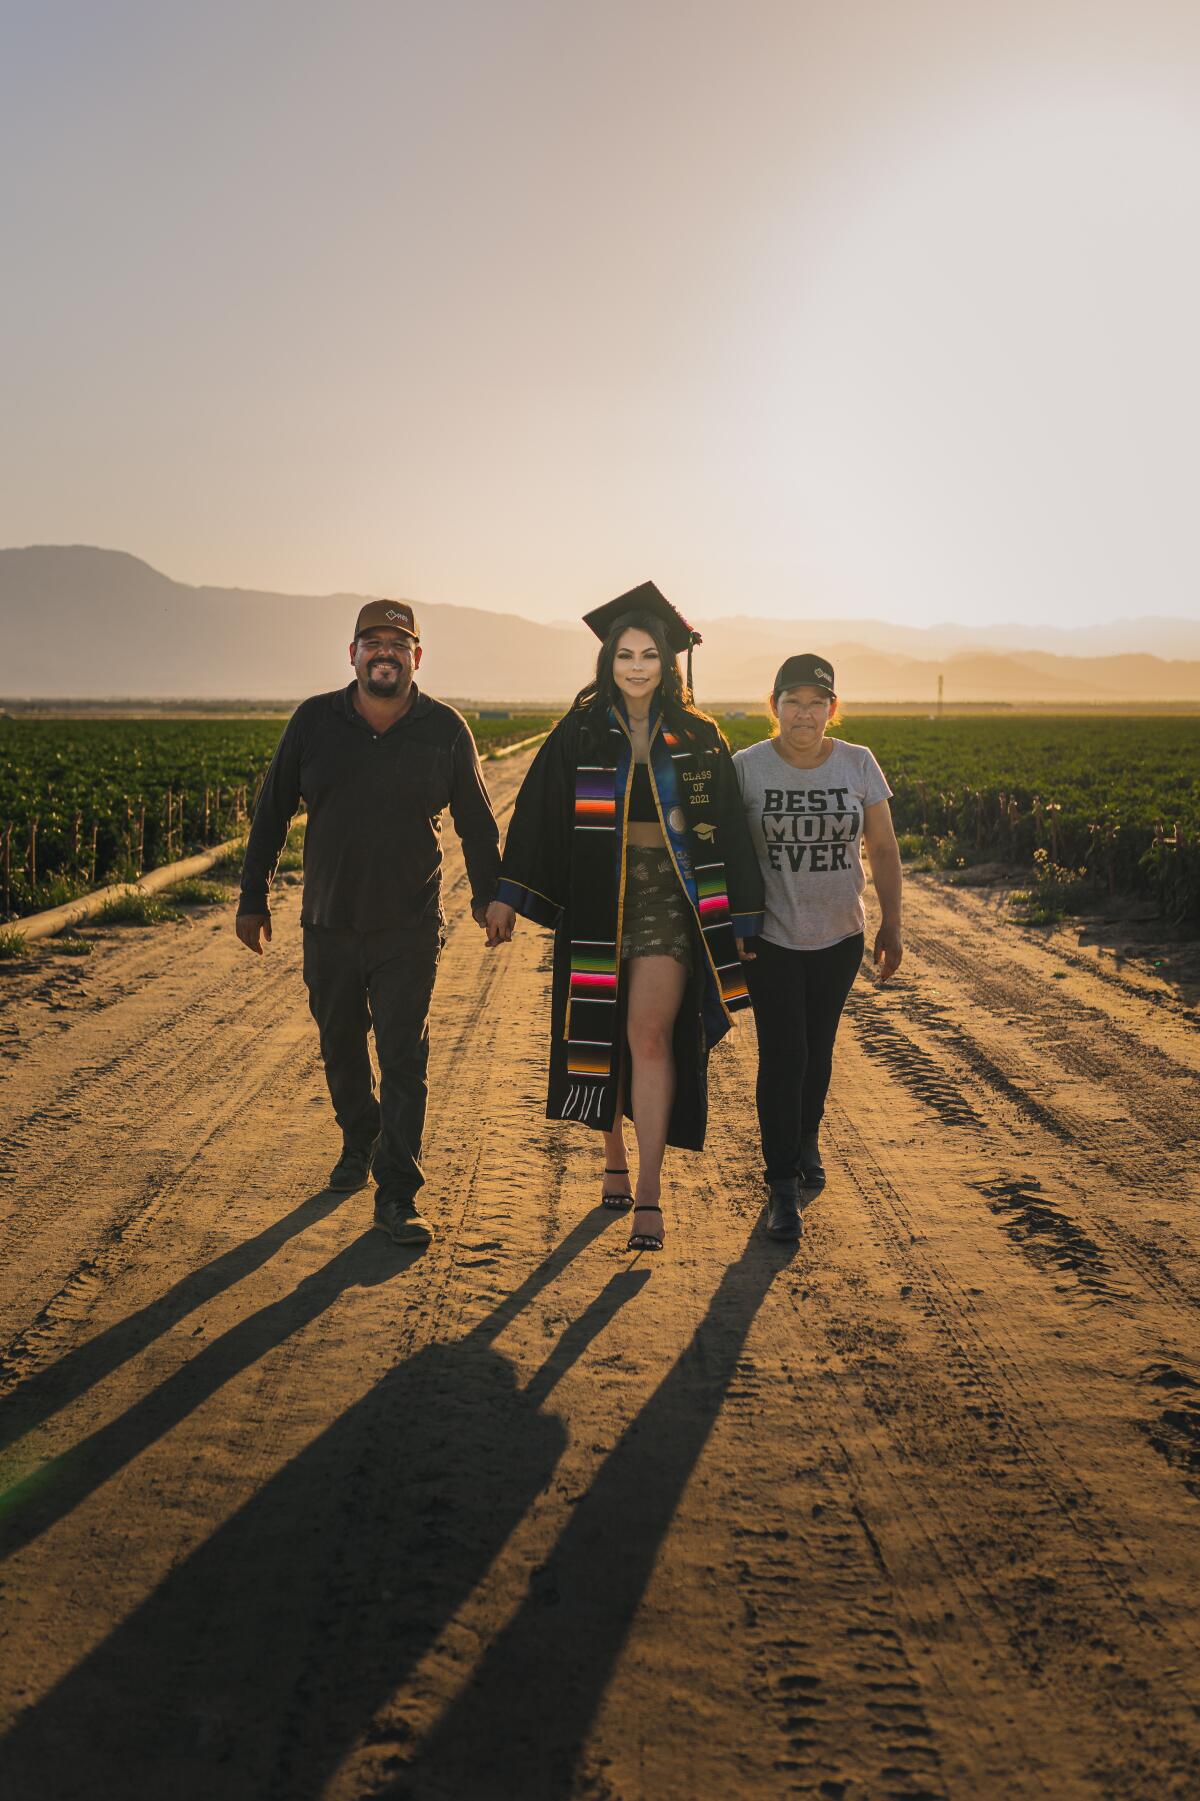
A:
{"x": 645, "y": 1241}
{"x": 616, "y": 1203}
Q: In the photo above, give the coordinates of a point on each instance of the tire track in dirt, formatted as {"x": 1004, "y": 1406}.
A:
{"x": 840, "y": 1705}
{"x": 827, "y": 1660}
{"x": 1052, "y": 1526}
{"x": 1080, "y": 1035}
{"x": 947, "y": 1034}
{"x": 120, "y": 1182}
{"x": 997, "y": 1415}
{"x": 1063, "y": 1248}
{"x": 1081, "y": 1239}
{"x": 1049, "y": 1237}
{"x": 1175, "y": 1432}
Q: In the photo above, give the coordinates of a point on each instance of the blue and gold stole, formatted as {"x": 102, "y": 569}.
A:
{"x": 683, "y": 778}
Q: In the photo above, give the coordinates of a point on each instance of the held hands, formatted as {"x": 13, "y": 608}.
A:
{"x": 746, "y": 956}
{"x": 889, "y": 951}
{"x": 249, "y": 927}
{"x": 497, "y": 921}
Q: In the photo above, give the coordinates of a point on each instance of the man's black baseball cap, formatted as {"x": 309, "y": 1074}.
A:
{"x": 805, "y": 672}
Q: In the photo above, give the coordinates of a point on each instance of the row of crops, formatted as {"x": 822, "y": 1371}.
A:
{"x": 1094, "y": 805}
{"x": 85, "y": 802}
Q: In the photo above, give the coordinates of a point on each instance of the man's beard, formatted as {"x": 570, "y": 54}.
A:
{"x": 389, "y": 685}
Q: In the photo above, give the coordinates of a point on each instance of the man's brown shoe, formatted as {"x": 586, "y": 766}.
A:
{"x": 397, "y": 1216}
{"x": 352, "y": 1168}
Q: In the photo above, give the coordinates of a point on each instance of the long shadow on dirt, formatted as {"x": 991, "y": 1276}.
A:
{"x": 46, "y": 1391}
{"x": 34, "y": 1503}
{"x": 519, "y": 1727}
{"x": 280, "y": 1644}
{"x": 256, "y": 1663}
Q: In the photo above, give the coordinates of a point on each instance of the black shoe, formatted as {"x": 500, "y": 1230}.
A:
{"x": 397, "y": 1215}
{"x": 812, "y": 1170}
{"x": 783, "y": 1210}
{"x": 352, "y": 1167}
{"x": 645, "y": 1241}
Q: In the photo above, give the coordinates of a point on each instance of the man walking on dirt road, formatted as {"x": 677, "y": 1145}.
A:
{"x": 374, "y": 763}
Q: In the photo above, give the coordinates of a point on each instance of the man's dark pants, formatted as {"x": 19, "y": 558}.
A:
{"x": 360, "y": 980}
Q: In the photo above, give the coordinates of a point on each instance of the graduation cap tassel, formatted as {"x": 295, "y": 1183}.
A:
{"x": 691, "y": 691}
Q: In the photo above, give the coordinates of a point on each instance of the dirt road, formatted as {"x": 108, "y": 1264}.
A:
{"x": 909, "y": 1510}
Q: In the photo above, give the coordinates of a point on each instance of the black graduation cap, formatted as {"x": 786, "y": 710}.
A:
{"x": 646, "y": 599}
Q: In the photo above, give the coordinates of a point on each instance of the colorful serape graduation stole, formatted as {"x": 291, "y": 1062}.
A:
{"x": 592, "y": 1000}
{"x": 712, "y": 904}
{"x": 595, "y": 798}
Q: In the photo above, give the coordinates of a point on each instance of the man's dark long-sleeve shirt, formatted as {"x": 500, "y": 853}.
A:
{"x": 372, "y": 847}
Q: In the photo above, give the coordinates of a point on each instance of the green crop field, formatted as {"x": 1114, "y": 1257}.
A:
{"x": 84, "y": 802}
{"x": 1093, "y": 805}
{"x": 89, "y": 801}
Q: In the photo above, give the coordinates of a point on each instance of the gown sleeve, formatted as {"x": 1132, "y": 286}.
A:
{"x": 536, "y": 869}
{"x": 743, "y": 872}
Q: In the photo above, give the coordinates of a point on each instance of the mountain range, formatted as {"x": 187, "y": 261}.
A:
{"x": 82, "y": 623}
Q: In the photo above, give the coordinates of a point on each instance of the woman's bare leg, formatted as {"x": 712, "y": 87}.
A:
{"x": 615, "y": 1154}
{"x": 656, "y": 988}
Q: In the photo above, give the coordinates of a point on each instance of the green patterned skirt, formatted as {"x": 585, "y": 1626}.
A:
{"x": 657, "y": 920}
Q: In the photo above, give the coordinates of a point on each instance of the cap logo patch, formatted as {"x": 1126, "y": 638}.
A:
{"x": 393, "y": 614}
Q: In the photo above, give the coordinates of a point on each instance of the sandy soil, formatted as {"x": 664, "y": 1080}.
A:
{"x": 909, "y": 1510}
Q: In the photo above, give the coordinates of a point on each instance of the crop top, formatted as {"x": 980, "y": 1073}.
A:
{"x": 642, "y": 810}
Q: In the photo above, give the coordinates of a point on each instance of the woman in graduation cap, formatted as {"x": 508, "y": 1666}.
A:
{"x": 628, "y": 837}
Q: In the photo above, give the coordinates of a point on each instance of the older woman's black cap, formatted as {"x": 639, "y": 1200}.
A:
{"x": 804, "y": 672}
{"x": 645, "y": 599}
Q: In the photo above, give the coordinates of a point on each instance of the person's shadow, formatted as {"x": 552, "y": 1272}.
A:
{"x": 36, "y": 1397}
{"x": 258, "y": 1661}
{"x": 271, "y": 1652}
{"x": 518, "y": 1729}
{"x": 34, "y": 1503}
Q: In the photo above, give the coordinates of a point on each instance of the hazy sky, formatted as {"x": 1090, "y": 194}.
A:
{"x": 840, "y": 308}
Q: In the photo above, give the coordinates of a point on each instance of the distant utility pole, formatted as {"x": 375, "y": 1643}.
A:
{"x": 941, "y": 687}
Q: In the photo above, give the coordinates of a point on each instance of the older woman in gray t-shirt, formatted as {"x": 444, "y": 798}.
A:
{"x": 810, "y": 802}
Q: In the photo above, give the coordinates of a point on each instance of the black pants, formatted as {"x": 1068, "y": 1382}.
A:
{"x": 357, "y": 980}
{"x": 798, "y": 998}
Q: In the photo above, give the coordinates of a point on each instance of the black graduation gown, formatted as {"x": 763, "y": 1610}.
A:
{"x": 564, "y": 867}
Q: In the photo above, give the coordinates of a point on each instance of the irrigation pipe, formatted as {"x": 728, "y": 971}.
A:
{"x": 510, "y": 750}
{"x": 56, "y": 919}
{"x": 76, "y": 912}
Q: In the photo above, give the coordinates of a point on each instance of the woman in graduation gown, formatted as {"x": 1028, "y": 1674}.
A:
{"x": 629, "y": 839}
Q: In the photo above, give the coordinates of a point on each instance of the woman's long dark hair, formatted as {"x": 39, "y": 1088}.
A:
{"x": 680, "y": 711}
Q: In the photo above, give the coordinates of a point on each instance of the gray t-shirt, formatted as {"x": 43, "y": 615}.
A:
{"x": 807, "y": 829}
